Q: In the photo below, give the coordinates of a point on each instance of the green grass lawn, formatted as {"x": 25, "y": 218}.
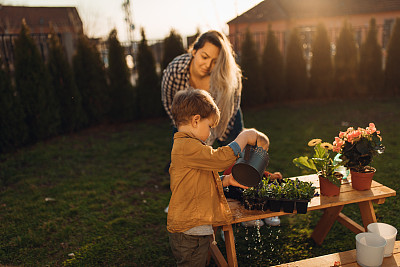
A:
{"x": 96, "y": 198}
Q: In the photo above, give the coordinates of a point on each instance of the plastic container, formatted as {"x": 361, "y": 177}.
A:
{"x": 386, "y": 231}
{"x": 370, "y": 249}
{"x": 341, "y": 169}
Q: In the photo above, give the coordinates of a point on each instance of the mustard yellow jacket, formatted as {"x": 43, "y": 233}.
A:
{"x": 197, "y": 192}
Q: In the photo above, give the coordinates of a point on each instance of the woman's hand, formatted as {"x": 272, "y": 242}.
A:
{"x": 276, "y": 175}
{"x": 229, "y": 180}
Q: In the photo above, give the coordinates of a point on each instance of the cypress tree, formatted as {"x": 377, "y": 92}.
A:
{"x": 252, "y": 93}
{"x": 392, "y": 70}
{"x": 13, "y": 129}
{"x": 90, "y": 77}
{"x": 272, "y": 69}
{"x": 33, "y": 85}
{"x": 173, "y": 47}
{"x": 121, "y": 90}
{"x": 371, "y": 72}
{"x": 321, "y": 76}
{"x": 296, "y": 70}
{"x": 148, "y": 85}
{"x": 66, "y": 91}
{"x": 346, "y": 63}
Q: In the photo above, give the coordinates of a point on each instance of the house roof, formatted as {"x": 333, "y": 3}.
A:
{"x": 272, "y": 10}
{"x": 38, "y": 18}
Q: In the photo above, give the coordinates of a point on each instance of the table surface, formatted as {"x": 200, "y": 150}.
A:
{"x": 346, "y": 259}
{"x": 332, "y": 207}
{"x": 347, "y": 195}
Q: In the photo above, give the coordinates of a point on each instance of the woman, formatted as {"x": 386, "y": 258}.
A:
{"x": 210, "y": 65}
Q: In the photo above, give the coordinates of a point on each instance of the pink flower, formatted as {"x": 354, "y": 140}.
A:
{"x": 371, "y": 129}
{"x": 350, "y": 139}
{"x": 337, "y": 144}
{"x": 341, "y": 134}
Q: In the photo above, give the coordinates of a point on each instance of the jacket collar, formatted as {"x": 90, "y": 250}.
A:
{"x": 179, "y": 135}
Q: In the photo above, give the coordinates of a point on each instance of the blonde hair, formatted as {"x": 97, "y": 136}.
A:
{"x": 190, "y": 102}
{"x": 225, "y": 79}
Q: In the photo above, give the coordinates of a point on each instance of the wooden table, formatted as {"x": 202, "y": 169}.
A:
{"x": 346, "y": 259}
{"x": 332, "y": 207}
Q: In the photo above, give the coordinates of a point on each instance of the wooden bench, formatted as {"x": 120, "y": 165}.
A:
{"x": 346, "y": 259}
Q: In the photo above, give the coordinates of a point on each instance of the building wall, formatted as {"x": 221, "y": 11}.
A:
{"x": 64, "y": 20}
{"x": 360, "y": 24}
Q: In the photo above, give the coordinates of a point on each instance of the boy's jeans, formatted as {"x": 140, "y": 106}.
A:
{"x": 190, "y": 250}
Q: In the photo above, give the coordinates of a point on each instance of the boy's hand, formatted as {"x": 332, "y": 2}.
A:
{"x": 229, "y": 180}
{"x": 262, "y": 140}
{"x": 251, "y": 136}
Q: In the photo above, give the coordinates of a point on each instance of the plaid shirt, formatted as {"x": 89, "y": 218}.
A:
{"x": 176, "y": 77}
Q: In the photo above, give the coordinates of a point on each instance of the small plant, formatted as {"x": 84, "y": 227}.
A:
{"x": 322, "y": 163}
{"x": 289, "y": 189}
{"x": 305, "y": 190}
{"x": 275, "y": 190}
{"x": 358, "y": 147}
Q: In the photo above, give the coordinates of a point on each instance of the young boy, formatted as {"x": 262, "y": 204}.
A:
{"x": 198, "y": 200}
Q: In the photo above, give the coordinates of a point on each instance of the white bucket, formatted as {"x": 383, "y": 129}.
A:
{"x": 370, "y": 248}
{"x": 386, "y": 231}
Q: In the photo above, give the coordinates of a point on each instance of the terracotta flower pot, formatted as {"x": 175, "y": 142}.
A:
{"x": 362, "y": 180}
{"x": 327, "y": 188}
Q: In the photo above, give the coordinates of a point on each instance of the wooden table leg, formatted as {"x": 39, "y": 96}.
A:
{"x": 367, "y": 213}
{"x": 325, "y": 223}
{"x": 230, "y": 245}
{"x": 216, "y": 254}
{"x": 350, "y": 224}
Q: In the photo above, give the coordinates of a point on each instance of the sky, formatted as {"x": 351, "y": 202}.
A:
{"x": 157, "y": 17}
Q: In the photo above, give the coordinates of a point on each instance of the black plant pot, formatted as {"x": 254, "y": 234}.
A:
{"x": 301, "y": 206}
{"x": 288, "y": 205}
{"x": 248, "y": 203}
{"x": 275, "y": 204}
{"x": 266, "y": 205}
{"x": 258, "y": 204}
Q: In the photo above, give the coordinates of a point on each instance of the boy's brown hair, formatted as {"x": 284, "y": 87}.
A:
{"x": 190, "y": 102}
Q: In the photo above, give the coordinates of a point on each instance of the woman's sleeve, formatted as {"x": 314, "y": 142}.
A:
{"x": 168, "y": 90}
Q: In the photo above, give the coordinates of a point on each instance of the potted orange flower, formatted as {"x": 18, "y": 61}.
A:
{"x": 357, "y": 148}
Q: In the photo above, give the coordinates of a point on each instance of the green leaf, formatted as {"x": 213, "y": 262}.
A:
{"x": 320, "y": 152}
{"x": 305, "y": 163}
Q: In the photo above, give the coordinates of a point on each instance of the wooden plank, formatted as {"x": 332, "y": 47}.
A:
{"x": 379, "y": 201}
{"x": 350, "y": 224}
{"x": 350, "y": 197}
{"x": 325, "y": 224}
{"x": 346, "y": 259}
{"x": 367, "y": 213}
{"x": 315, "y": 180}
{"x": 217, "y": 256}
{"x": 230, "y": 245}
